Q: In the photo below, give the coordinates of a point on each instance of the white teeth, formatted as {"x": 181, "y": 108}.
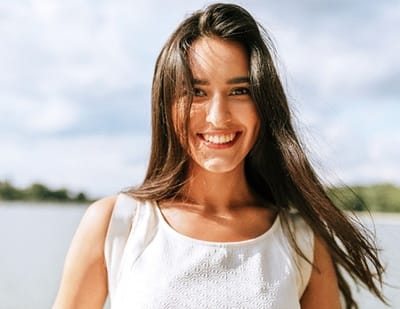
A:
{"x": 219, "y": 139}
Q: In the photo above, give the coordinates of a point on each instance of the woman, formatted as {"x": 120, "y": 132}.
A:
{"x": 230, "y": 213}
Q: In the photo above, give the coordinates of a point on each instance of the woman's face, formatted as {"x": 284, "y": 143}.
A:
{"x": 223, "y": 122}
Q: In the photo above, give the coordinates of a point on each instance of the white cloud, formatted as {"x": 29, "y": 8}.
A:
{"x": 343, "y": 152}
{"x": 49, "y": 115}
{"x": 56, "y": 115}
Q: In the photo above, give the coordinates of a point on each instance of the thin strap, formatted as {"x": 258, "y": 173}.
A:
{"x": 304, "y": 237}
{"x": 117, "y": 236}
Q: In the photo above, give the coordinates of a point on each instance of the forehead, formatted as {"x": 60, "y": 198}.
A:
{"x": 211, "y": 57}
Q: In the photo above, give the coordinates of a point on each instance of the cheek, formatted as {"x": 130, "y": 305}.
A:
{"x": 251, "y": 118}
{"x": 256, "y": 121}
{"x": 196, "y": 124}
{"x": 196, "y": 119}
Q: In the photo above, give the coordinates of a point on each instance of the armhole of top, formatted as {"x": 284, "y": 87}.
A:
{"x": 118, "y": 231}
{"x": 304, "y": 237}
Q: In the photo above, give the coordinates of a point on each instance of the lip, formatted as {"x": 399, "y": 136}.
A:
{"x": 220, "y": 146}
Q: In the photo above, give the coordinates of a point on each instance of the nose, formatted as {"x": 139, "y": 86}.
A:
{"x": 218, "y": 112}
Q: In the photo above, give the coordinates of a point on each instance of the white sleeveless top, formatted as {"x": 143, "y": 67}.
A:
{"x": 150, "y": 265}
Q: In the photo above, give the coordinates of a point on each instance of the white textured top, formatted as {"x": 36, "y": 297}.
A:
{"x": 151, "y": 265}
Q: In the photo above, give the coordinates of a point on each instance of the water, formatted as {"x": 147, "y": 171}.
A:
{"x": 34, "y": 240}
{"x": 387, "y": 234}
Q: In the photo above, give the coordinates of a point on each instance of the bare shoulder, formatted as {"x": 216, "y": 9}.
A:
{"x": 99, "y": 213}
{"x": 322, "y": 290}
{"x": 96, "y": 218}
{"x": 94, "y": 224}
{"x": 102, "y": 207}
{"x": 84, "y": 279}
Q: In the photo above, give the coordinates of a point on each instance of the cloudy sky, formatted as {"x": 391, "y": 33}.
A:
{"x": 75, "y": 86}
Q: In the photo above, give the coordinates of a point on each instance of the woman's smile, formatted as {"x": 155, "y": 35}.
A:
{"x": 219, "y": 140}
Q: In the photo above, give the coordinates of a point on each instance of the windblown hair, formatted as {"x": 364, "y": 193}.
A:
{"x": 277, "y": 168}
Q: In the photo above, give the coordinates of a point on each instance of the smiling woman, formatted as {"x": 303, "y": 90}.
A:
{"x": 230, "y": 213}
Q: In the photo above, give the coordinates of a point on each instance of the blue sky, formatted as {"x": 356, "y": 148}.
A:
{"x": 75, "y": 86}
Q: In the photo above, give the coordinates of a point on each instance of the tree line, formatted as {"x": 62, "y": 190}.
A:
{"x": 380, "y": 198}
{"x": 39, "y": 193}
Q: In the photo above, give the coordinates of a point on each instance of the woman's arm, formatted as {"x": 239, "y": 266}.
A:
{"x": 322, "y": 290}
{"x": 84, "y": 279}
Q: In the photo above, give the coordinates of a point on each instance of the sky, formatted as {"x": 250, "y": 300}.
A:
{"x": 76, "y": 75}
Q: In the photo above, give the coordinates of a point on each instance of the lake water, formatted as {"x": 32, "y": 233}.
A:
{"x": 34, "y": 240}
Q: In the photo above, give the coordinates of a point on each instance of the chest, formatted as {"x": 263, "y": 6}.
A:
{"x": 220, "y": 228}
{"x": 173, "y": 273}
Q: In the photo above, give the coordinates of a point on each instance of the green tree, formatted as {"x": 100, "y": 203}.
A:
{"x": 81, "y": 197}
{"x": 37, "y": 192}
{"x": 9, "y": 192}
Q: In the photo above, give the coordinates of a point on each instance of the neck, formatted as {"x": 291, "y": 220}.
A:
{"x": 218, "y": 192}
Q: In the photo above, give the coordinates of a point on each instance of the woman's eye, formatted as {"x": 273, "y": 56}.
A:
{"x": 240, "y": 91}
{"x": 198, "y": 92}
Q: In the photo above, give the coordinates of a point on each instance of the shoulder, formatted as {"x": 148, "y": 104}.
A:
{"x": 302, "y": 232}
{"x": 94, "y": 224}
{"x": 97, "y": 216}
{"x": 84, "y": 279}
{"x": 323, "y": 289}
{"x": 101, "y": 209}
{"x": 302, "y": 246}
{"x": 319, "y": 286}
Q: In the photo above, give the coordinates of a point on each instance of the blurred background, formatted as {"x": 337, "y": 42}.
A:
{"x": 76, "y": 75}
{"x": 75, "y": 85}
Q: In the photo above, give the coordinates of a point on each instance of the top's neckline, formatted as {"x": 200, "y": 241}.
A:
{"x": 169, "y": 229}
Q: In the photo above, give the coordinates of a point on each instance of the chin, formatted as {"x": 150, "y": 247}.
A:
{"x": 218, "y": 169}
{"x": 219, "y": 166}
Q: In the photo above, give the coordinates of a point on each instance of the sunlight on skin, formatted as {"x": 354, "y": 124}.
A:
{"x": 224, "y": 123}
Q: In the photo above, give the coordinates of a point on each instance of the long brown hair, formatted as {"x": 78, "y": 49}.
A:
{"x": 277, "y": 168}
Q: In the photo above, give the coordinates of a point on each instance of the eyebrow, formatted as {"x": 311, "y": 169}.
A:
{"x": 234, "y": 80}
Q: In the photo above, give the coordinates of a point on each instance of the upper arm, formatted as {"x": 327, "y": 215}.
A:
{"x": 84, "y": 279}
{"x": 322, "y": 290}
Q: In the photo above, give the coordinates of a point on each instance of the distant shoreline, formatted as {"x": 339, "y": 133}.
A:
{"x": 379, "y": 197}
{"x": 364, "y": 217}
{"x": 46, "y": 203}
{"x": 38, "y": 192}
